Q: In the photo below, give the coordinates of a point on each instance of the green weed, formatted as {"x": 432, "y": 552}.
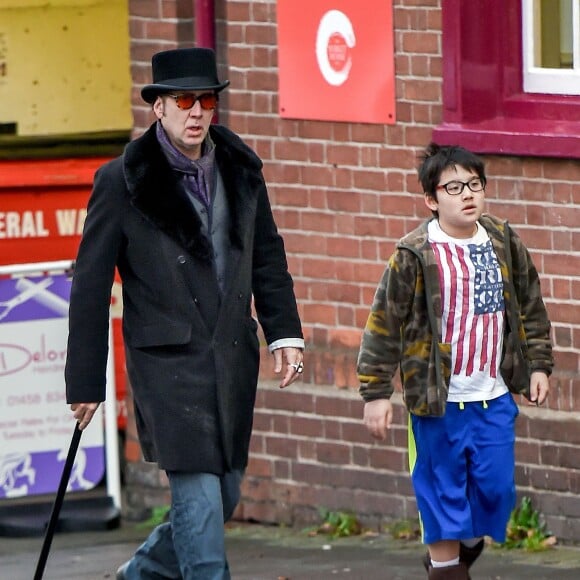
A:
{"x": 405, "y": 530}
{"x": 526, "y": 530}
{"x": 158, "y": 516}
{"x": 338, "y": 524}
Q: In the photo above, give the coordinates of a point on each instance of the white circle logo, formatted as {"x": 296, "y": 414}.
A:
{"x": 334, "y": 41}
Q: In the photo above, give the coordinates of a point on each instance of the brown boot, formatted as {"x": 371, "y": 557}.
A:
{"x": 458, "y": 572}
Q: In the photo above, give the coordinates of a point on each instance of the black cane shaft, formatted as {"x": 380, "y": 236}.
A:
{"x": 74, "y": 445}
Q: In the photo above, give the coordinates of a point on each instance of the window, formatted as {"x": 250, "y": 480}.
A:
{"x": 551, "y": 46}
{"x": 485, "y": 105}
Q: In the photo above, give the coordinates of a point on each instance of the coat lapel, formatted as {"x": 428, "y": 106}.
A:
{"x": 155, "y": 190}
{"x": 240, "y": 169}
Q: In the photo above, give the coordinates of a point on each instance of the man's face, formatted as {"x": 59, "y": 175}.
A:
{"x": 186, "y": 127}
{"x": 458, "y": 213}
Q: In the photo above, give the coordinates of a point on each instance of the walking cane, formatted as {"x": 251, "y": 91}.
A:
{"x": 74, "y": 445}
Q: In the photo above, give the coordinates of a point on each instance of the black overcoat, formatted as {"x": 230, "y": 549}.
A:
{"x": 192, "y": 355}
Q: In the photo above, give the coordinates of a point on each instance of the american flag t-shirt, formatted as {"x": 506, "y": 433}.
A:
{"x": 473, "y": 313}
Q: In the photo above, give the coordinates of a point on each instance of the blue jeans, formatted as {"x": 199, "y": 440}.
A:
{"x": 191, "y": 546}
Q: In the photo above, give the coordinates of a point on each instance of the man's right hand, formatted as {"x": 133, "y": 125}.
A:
{"x": 83, "y": 413}
{"x": 378, "y": 415}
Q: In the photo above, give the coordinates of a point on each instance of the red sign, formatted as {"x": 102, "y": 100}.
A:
{"x": 42, "y": 213}
{"x": 43, "y": 208}
{"x": 336, "y": 60}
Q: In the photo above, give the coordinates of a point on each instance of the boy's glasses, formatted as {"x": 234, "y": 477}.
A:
{"x": 456, "y": 187}
{"x": 185, "y": 101}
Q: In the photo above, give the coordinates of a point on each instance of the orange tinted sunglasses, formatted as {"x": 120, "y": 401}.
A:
{"x": 186, "y": 101}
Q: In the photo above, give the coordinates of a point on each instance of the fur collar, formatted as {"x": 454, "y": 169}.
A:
{"x": 155, "y": 191}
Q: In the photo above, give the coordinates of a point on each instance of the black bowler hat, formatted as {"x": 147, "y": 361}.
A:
{"x": 183, "y": 69}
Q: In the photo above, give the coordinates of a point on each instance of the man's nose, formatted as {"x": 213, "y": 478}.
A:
{"x": 195, "y": 111}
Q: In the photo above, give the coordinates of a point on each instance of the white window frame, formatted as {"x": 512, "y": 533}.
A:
{"x": 549, "y": 80}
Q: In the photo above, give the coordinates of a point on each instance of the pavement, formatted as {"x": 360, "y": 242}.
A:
{"x": 258, "y": 552}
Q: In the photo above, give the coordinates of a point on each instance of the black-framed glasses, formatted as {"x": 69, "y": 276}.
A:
{"x": 186, "y": 101}
{"x": 456, "y": 187}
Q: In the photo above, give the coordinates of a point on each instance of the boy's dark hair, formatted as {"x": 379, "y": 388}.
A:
{"x": 437, "y": 158}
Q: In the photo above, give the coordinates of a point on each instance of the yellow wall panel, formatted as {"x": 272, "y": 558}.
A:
{"x": 64, "y": 66}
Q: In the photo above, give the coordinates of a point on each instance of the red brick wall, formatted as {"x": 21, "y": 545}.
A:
{"x": 343, "y": 194}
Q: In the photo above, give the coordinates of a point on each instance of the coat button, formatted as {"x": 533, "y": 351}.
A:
{"x": 240, "y": 296}
{"x": 235, "y": 343}
{"x": 181, "y": 259}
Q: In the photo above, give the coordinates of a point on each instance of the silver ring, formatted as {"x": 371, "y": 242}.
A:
{"x": 298, "y": 367}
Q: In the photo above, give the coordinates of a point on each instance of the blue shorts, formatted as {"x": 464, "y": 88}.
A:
{"x": 463, "y": 469}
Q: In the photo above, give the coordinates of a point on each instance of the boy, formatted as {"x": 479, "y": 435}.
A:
{"x": 459, "y": 310}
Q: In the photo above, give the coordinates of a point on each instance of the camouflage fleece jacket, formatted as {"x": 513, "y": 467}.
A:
{"x": 404, "y": 326}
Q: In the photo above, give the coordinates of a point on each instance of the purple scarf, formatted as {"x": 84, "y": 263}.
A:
{"x": 198, "y": 174}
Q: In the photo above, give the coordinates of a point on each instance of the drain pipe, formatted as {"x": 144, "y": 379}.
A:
{"x": 205, "y": 30}
{"x": 204, "y": 23}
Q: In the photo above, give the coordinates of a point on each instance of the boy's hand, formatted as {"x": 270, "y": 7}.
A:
{"x": 539, "y": 387}
{"x": 378, "y": 415}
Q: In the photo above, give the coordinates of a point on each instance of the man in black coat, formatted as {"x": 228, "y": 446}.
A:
{"x": 184, "y": 216}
